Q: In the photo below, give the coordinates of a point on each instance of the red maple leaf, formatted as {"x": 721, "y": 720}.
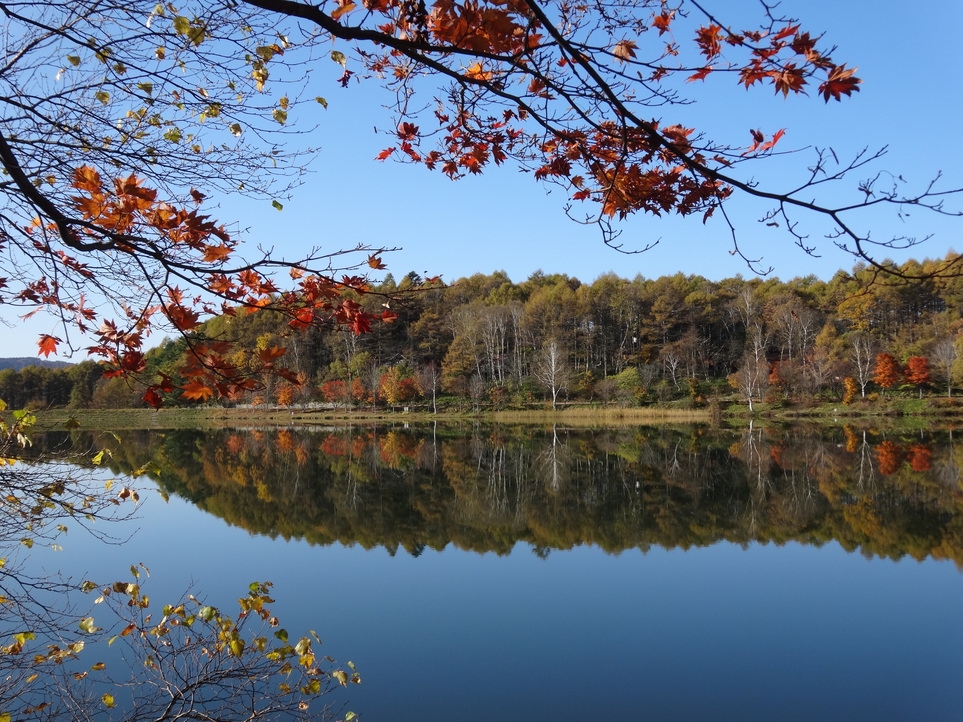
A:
{"x": 841, "y": 81}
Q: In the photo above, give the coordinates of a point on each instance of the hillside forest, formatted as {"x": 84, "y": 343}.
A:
{"x": 488, "y": 342}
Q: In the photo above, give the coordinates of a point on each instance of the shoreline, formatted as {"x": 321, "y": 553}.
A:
{"x": 897, "y": 412}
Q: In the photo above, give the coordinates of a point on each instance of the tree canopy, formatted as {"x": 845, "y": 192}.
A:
{"x": 117, "y": 122}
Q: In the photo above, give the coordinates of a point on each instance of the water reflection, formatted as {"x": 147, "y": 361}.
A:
{"x": 488, "y": 488}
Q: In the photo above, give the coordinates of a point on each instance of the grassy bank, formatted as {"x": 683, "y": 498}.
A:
{"x": 175, "y": 418}
{"x": 899, "y": 411}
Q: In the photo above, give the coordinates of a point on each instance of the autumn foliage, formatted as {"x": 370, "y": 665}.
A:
{"x": 889, "y": 456}
{"x": 887, "y": 372}
{"x": 626, "y": 162}
{"x": 126, "y": 218}
{"x": 917, "y": 371}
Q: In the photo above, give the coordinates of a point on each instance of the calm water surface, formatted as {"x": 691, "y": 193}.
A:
{"x": 466, "y": 593}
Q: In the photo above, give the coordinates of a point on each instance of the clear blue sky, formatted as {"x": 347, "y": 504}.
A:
{"x": 907, "y": 58}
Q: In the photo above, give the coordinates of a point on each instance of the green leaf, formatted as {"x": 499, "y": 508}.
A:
{"x": 206, "y": 613}
{"x": 192, "y": 30}
{"x": 281, "y": 116}
{"x": 277, "y": 205}
{"x": 237, "y": 647}
{"x": 182, "y": 26}
{"x": 73, "y": 60}
{"x": 146, "y": 87}
{"x": 322, "y": 102}
{"x": 98, "y": 457}
{"x": 282, "y": 634}
{"x": 87, "y": 625}
{"x": 339, "y": 57}
{"x": 266, "y": 52}
{"x": 103, "y": 96}
{"x": 108, "y": 700}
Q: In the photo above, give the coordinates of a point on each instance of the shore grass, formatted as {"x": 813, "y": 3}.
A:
{"x": 895, "y": 411}
{"x": 204, "y": 417}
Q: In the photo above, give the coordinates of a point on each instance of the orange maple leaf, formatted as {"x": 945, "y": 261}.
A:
{"x": 194, "y": 390}
{"x": 87, "y": 179}
{"x": 343, "y": 9}
{"x": 661, "y": 22}
{"x": 477, "y": 72}
{"x": 216, "y": 253}
{"x": 268, "y": 355}
{"x": 48, "y": 344}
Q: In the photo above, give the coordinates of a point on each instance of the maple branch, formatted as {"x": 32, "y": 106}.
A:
{"x": 12, "y": 166}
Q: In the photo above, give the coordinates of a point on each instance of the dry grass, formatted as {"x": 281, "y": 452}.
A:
{"x": 173, "y": 418}
{"x": 593, "y": 416}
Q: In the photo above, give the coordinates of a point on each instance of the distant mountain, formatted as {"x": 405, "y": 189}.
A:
{"x": 18, "y": 363}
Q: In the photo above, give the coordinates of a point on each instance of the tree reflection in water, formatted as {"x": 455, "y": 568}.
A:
{"x": 487, "y": 488}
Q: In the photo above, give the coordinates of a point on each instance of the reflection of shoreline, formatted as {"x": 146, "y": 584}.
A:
{"x": 618, "y": 490}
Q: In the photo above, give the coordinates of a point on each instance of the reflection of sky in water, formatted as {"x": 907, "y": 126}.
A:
{"x": 767, "y": 633}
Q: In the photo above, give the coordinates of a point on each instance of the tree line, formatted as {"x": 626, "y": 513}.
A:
{"x": 486, "y": 341}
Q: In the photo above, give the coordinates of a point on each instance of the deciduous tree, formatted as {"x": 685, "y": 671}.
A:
{"x": 552, "y": 369}
{"x": 917, "y": 372}
{"x": 887, "y": 372}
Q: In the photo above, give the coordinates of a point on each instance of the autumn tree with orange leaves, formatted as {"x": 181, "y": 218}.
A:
{"x": 887, "y": 372}
{"x": 917, "y": 372}
{"x": 141, "y": 112}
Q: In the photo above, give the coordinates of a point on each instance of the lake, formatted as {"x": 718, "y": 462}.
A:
{"x": 517, "y": 573}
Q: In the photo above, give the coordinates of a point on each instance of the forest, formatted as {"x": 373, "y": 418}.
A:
{"x": 486, "y": 342}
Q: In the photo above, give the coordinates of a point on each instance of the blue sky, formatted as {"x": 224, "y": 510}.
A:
{"x": 503, "y": 220}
